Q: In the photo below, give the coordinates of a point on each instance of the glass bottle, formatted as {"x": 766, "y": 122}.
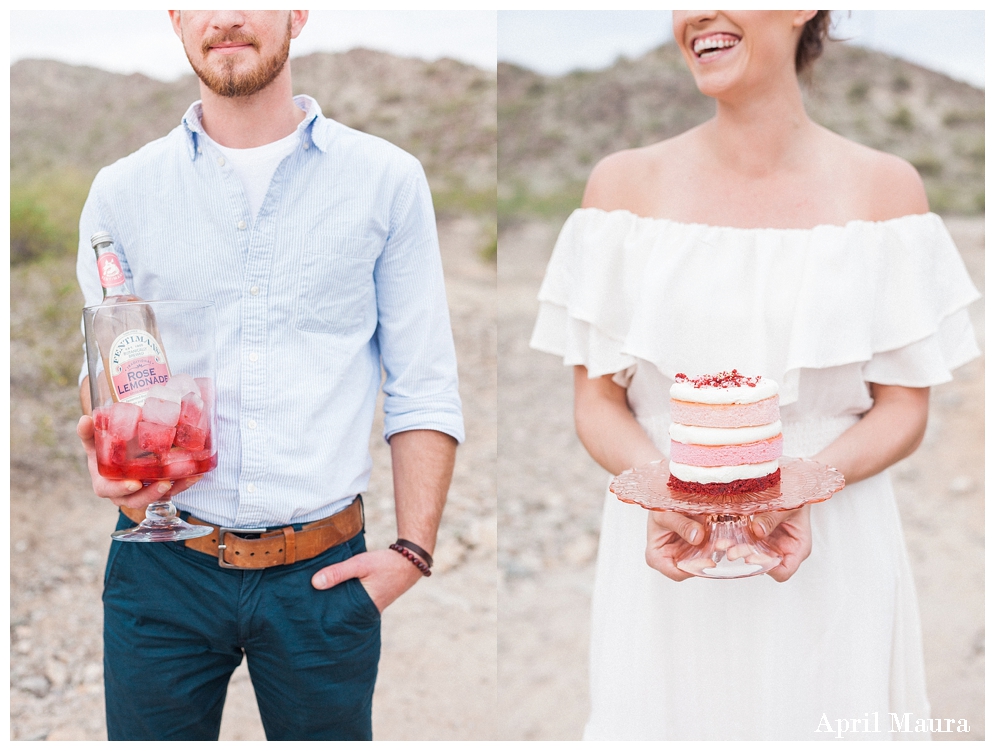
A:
{"x": 128, "y": 337}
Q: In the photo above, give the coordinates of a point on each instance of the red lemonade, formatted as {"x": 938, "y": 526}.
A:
{"x": 168, "y": 437}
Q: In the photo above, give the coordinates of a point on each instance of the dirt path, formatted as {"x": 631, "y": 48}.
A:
{"x": 550, "y": 500}
{"x": 440, "y": 637}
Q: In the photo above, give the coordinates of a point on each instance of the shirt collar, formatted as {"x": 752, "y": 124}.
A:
{"x": 311, "y": 128}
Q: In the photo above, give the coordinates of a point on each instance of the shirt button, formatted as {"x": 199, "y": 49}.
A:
{"x": 307, "y": 144}
{"x": 252, "y": 424}
{"x": 200, "y": 150}
{"x": 221, "y": 161}
{"x": 253, "y": 357}
{"x": 251, "y": 488}
{"x": 254, "y": 290}
{"x": 241, "y": 224}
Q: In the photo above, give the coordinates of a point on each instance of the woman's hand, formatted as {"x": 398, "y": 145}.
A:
{"x": 668, "y": 534}
{"x": 789, "y": 533}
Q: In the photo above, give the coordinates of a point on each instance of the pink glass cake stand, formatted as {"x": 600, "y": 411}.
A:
{"x": 730, "y": 550}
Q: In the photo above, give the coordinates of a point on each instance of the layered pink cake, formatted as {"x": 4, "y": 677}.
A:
{"x": 725, "y": 434}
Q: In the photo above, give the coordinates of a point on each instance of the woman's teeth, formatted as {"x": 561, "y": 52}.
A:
{"x": 711, "y": 46}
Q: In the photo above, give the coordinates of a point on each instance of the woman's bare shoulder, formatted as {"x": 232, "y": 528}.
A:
{"x": 887, "y": 186}
{"x": 621, "y": 180}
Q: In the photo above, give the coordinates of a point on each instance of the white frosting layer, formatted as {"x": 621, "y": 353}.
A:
{"x": 723, "y": 436}
{"x": 690, "y": 473}
{"x": 686, "y": 392}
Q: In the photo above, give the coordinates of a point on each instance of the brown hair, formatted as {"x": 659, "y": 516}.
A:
{"x": 814, "y": 33}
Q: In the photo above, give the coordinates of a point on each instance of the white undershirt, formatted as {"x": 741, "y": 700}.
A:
{"x": 255, "y": 166}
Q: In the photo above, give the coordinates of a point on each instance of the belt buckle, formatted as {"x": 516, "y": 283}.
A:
{"x": 221, "y": 542}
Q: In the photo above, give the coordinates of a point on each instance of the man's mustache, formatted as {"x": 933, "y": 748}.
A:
{"x": 229, "y": 38}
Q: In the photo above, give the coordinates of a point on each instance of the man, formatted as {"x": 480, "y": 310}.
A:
{"x": 317, "y": 245}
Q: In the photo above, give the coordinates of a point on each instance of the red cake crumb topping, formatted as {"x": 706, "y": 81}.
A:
{"x": 723, "y": 380}
{"x": 752, "y": 485}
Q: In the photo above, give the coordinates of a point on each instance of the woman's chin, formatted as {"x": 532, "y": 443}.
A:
{"x": 723, "y": 75}
{"x": 717, "y": 84}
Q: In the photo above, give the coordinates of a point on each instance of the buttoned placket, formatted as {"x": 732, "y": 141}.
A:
{"x": 259, "y": 241}
{"x": 256, "y": 245}
{"x": 253, "y": 376}
{"x": 256, "y": 248}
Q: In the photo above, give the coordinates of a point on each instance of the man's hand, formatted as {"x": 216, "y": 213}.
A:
{"x": 128, "y": 493}
{"x": 384, "y": 574}
{"x": 422, "y": 461}
{"x": 790, "y": 534}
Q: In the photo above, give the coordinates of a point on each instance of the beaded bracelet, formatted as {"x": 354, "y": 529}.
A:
{"x": 416, "y": 549}
{"x": 411, "y": 557}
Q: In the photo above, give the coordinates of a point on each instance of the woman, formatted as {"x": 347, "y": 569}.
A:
{"x": 763, "y": 242}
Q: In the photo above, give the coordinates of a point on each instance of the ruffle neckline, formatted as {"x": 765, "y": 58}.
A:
{"x": 698, "y": 298}
{"x": 698, "y": 226}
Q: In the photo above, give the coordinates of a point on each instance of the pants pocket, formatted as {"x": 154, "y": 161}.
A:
{"x": 123, "y": 522}
{"x": 351, "y": 591}
{"x": 362, "y": 599}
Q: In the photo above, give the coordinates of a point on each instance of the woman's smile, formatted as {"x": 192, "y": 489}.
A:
{"x": 713, "y": 45}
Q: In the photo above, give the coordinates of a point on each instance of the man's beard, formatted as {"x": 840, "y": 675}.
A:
{"x": 228, "y": 82}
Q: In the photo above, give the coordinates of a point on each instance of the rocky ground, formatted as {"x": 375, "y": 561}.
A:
{"x": 550, "y": 500}
{"x": 439, "y": 638}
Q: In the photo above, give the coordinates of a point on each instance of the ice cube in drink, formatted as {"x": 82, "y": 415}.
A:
{"x": 168, "y": 437}
{"x": 193, "y": 425}
{"x": 162, "y": 405}
{"x": 179, "y": 462}
{"x": 155, "y": 437}
{"x": 184, "y": 384}
{"x": 123, "y": 419}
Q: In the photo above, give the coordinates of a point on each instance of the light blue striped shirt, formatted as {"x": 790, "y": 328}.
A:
{"x": 339, "y": 275}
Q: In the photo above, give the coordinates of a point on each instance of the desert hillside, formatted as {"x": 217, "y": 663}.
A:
{"x": 80, "y": 118}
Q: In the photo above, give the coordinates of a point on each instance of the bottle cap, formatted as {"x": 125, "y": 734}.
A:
{"x": 100, "y": 237}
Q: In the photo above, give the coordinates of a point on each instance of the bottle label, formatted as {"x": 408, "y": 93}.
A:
{"x": 136, "y": 364}
{"x": 109, "y": 269}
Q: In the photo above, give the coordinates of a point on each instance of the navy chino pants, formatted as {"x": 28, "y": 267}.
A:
{"x": 176, "y": 626}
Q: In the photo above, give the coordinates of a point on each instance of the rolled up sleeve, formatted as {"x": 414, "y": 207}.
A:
{"x": 421, "y": 388}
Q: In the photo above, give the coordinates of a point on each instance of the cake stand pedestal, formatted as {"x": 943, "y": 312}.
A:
{"x": 730, "y": 550}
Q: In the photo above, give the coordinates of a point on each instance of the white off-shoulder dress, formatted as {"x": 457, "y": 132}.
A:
{"x": 825, "y": 312}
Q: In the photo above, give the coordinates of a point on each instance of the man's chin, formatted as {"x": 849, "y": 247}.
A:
{"x": 237, "y": 83}
{"x": 240, "y": 74}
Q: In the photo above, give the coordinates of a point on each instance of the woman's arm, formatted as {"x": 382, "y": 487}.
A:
{"x": 617, "y": 442}
{"x": 890, "y": 430}
{"x": 607, "y": 427}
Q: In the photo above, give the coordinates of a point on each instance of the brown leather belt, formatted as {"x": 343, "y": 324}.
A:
{"x": 274, "y": 547}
